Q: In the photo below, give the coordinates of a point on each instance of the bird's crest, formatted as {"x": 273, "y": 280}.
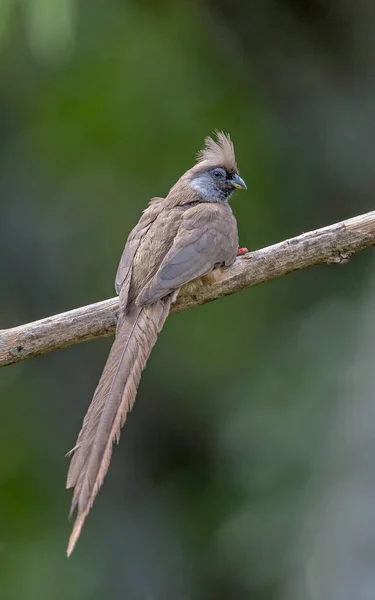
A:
{"x": 218, "y": 152}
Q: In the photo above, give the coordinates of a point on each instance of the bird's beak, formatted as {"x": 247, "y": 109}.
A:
{"x": 238, "y": 182}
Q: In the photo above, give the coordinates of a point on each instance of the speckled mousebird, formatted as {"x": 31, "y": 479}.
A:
{"x": 178, "y": 239}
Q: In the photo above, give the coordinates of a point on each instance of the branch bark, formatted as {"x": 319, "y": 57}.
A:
{"x": 332, "y": 244}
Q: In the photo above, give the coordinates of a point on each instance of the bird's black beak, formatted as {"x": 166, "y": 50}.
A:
{"x": 238, "y": 182}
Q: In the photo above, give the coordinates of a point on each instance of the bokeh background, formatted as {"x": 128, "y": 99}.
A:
{"x": 246, "y": 469}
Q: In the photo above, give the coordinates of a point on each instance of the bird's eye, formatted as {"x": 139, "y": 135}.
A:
{"x": 218, "y": 174}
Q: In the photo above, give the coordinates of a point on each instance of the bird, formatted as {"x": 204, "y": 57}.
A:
{"x": 178, "y": 239}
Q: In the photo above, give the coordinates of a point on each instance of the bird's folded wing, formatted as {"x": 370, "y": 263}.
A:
{"x": 123, "y": 274}
{"x": 202, "y": 241}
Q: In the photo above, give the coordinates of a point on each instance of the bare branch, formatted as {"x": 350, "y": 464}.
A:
{"x": 332, "y": 244}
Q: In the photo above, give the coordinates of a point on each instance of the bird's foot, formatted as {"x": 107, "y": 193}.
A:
{"x": 241, "y": 251}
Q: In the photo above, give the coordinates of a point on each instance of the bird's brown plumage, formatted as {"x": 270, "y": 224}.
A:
{"x": 218, "y": 152}
{"x": 177, "y": 240}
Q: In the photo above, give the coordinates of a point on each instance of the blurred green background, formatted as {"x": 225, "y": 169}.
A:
{"x": 246, "y": 469}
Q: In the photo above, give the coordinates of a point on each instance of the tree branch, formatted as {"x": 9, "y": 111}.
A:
{"x": 332, "y": 244}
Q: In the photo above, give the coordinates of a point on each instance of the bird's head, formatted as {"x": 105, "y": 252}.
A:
{"x": 215, "y": 176}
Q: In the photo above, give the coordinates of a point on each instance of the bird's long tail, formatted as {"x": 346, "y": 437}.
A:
{"x": 137, "y": 332}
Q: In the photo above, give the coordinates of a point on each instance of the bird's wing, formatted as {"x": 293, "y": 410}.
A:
{"x": 123, "y": 275}
{"x": 206, "y": 237}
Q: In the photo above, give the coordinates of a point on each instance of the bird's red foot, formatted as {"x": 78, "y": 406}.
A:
{"x": 242, "y": 251}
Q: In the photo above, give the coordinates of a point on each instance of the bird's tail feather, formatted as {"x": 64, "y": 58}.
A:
{"x": 114, "y": 397}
